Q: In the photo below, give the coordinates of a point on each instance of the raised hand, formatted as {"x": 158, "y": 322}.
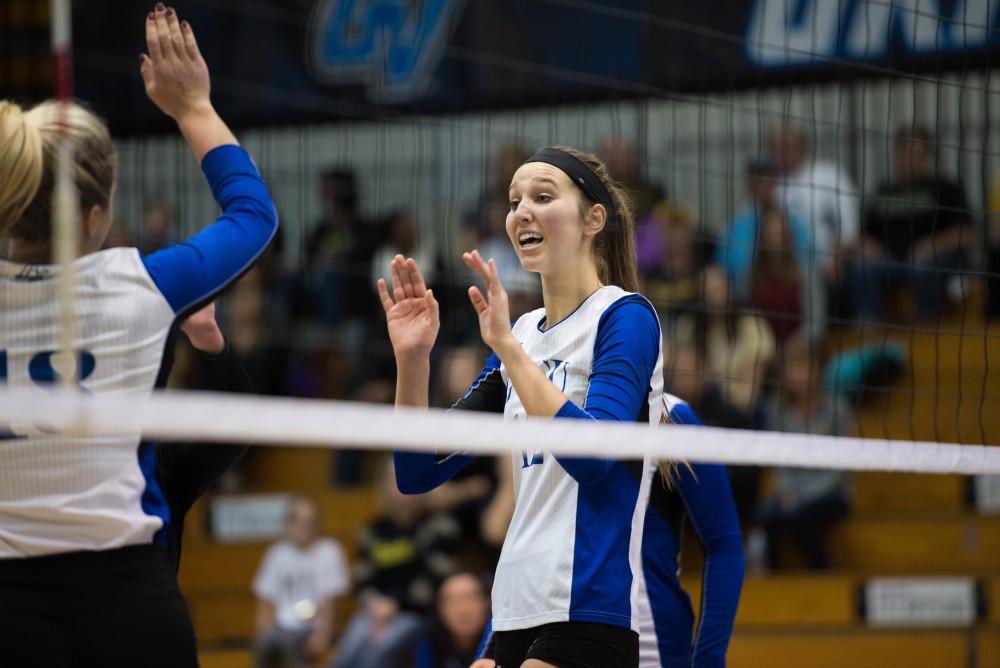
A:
{"x": 411, "y": 312}
{"x": 175, "y": 74}
{"x": 492, "y": 309}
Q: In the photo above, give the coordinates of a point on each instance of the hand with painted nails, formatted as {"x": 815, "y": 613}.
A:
{"x": 411, "y": 312}
{"x": 175, "y": 74}
{"x": 493, "y": 308}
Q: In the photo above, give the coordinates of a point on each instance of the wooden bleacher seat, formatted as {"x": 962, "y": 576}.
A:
{"x": 882, "y": 492}
{"x": 893, "y": 544}
{"x": 792, "y": 600}
{"x": 853, "y": 648}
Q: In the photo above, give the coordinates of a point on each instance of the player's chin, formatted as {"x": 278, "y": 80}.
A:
{"x": 532, "y": 263}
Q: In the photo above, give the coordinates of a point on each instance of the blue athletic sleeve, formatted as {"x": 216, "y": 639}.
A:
{"x": 420, "y": 472}
{"x": 423, "y": 654}
{"x": 708, "y": 499}
{"x": 625, "y": 353}
{"x": 194, "y": 271}
{"x": 485, "y": 648}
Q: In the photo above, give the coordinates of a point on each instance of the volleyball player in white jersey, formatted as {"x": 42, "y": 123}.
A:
{"x": 566, "y": 588}
{"x": 82, "y": 580}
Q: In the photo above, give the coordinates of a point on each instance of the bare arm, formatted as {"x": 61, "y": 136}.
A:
{"x": 265, "y": 616}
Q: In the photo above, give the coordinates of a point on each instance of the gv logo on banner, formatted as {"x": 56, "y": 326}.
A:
{"x": 391, "y": 46}
{"x": 788, "y": 33}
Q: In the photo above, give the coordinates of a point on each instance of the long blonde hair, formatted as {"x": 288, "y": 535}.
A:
{"x": 21, "y": 164}
{"x": 27, "y": 176}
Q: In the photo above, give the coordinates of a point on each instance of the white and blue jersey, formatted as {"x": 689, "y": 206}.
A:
{"x": 573, "y": 549}
{"x": 701, "y": 497}
{"x": 63, "y": 494}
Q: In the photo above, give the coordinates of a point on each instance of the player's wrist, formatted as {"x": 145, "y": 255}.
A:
{"x": 194, "y": 113}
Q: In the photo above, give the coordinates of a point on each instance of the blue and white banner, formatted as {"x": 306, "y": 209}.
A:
{"x": 288, "y": 61}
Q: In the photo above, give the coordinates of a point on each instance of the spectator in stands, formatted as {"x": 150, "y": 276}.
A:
{"x": 735, "y": 251}
{"x": 253, "y": 318}
{"x": 671, "y": 257}
{"x": 402, "y": 237}
{"x": 756, "y": 235}
{"x": 338, "y": 253}
{"x": 403, "y": 556}
{"x": 157, "y": 229}
{"x": 687, "y": 378}
{"x": 737, "y": 346}
{"x": 806, "y": 502}
{"x": 781, "y": 287}
{"x": 993, "y": 255}
{"x": 916, "y": 231}
{"x": 622, "y": 159}
{"x": 456, "y": 629}
{"x": 480, "y": 496}
{"x": 822, "y": 194}
{"x": 296, "y": 587}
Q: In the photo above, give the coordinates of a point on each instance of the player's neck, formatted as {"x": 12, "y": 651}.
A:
{"x": 28, "y": 252}
{"x": 562, "y": 293}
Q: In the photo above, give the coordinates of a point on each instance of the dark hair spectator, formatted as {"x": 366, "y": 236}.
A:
{"x": 671, "y": 257}
{"x": 460, "y": 616}
{"x": 916, "y": 231}
{"x": 806, "y": 502}
{"x": 403, "y": 555}
{"x": 737, "y": 346}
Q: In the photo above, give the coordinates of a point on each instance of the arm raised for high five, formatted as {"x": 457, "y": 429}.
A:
{"x": 411, "y": 315}
{"x": 191, "y": 273}
{"x": 177, "y": 81}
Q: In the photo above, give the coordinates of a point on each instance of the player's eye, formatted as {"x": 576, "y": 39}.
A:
{"x": 514, "y": 203}
{"x": 544, "y": 199}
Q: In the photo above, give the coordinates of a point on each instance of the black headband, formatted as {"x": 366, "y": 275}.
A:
{"x": 580, "y": 174}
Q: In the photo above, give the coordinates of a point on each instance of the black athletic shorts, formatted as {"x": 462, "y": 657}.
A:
{"x": 114, "y": 609}
{"x": 568, "y": 645}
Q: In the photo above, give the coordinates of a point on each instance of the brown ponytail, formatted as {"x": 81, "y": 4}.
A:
{"x": 614, "y": 247}
{"x": 21, "y": 164}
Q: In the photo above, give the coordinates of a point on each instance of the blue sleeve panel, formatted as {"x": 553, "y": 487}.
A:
{"x": 708, "y": 499}
{"x": 420, "y": 472}
{"x": 423, "y": 654}
{"x": 625, "y": 353}
{"x": 194, "y": 271}
{"x": 485, "y": 649}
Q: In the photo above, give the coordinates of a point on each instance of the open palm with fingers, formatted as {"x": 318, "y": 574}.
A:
{"x": 174, "y": 73}
{"x": 493, "y": 308}
{"x": 411, "y": 312}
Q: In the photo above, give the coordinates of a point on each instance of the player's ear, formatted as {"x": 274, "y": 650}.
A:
{"x": 95, "y": 225}
{"x": 595, "y": 220}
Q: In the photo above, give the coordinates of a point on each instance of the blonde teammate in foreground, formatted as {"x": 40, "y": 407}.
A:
{"x": 83, "y": 580}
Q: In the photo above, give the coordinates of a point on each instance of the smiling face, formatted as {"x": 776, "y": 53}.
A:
{"x": 546, "y": 221}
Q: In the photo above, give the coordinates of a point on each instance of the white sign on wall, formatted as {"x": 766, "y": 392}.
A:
{"x": 248, "y": 517}
{"x": 988, "y": 494}
{"x": 947, "y": 601}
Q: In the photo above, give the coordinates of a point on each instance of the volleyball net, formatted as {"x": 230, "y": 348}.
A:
{"x": 818, "y": 223}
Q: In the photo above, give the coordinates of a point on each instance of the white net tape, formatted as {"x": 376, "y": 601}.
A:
{"x": 215, "y": 417}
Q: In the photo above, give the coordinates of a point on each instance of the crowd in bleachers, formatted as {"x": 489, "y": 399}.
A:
{"x": 749, "y": 307}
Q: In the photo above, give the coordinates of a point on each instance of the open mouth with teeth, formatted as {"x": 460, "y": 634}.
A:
{"x": 529, "y": 240}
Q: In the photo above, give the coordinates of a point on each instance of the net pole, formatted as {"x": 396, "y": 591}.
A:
{"x": 65, "y": 230}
